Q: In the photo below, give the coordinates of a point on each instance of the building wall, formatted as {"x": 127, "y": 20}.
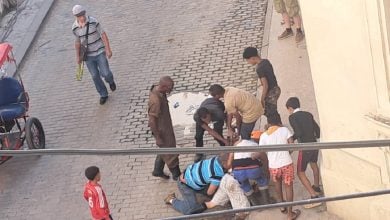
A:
{"x": 348, "y": 47}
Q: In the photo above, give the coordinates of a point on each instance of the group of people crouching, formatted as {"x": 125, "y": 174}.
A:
{"x": 241, "y": 178}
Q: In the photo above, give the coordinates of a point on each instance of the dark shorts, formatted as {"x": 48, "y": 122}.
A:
{"x": 305, "y": 157}
{"x": 246, "y": 130}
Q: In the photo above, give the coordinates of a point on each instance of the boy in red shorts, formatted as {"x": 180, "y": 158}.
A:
{"x": 279, "y": 162}
{"x": 95, "y": 195}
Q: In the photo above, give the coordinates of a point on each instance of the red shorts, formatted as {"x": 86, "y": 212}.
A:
{"x": 285, "y": 173}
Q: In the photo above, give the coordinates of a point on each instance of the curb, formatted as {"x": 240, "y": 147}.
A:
{"x": 32, "y": 31}
{"x": 267, "y": 29}
{"x": 264, "y": 48}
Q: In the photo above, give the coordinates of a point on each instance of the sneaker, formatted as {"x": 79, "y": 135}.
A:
{"x": 113, "y": 86}
{"x": 286, "y": 33}
{"x": 161, "y": 175}
{"x": 103, "y": 100}
{"x": 168, "y": 199}
{"x": 299, "y": 36}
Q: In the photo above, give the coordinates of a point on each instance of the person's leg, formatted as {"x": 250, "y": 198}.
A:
{"x": 188, "y": 205}
{"x": 289, "y": 197}
{"x": 271, "y": 101}
{"x": 298, "y": 21}
{"x": 199, "y": 133}
{"x": 288, "y": 179}
{"x": 220, "y": 197}
{"x": 293, "y": 10}
{"x": 158, "y": 170}
{"x": 258, "y": 175}
{"x": 104, "y": 68}
{"x": 278, "y": 190}
{"x": 218, "y": 127}
{"x": 286, "y": 20}
{"x": 314, "y": 167}
{"x": 316, "y": 173}
{"x": 303, "y": 160}
{"x": 92, "y": 65}
{"x": 172, "y": 161}
{"x": 241, "y": 177}
{"x": 232, "y": 190}
{"x": 277, "y": 179}
{"x": 246, "y": 130}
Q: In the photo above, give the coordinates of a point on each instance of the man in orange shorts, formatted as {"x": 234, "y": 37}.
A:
{"x": 279, "y": 162}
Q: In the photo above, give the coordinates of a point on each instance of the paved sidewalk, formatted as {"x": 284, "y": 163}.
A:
{"x": 292, "y": 69}
{"x": 198, "y": 43}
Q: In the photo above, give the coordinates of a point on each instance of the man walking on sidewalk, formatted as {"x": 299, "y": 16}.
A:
{"x": 306, "y": 130}
{"x": 160, "y": 124}
{"x": 270, "y": 91}
{"x": 290, "y": 9}
{"x": 93, "y": 47}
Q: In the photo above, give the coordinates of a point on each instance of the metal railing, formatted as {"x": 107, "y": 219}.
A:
{"x": 207, "y": 150}
{"x": 226, "y": 149}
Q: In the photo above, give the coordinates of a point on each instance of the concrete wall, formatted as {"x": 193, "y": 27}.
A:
{"x": 348, "y": 47}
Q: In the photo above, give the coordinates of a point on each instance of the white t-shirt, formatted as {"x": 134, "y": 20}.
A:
{"x": 242, "y": 155}
{"x": 277, "y": 159}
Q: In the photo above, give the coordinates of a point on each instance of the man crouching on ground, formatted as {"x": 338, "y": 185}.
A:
{"x": 197, "y": 177}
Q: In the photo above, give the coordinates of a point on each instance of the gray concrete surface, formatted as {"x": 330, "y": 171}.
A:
{"x": 198, "y": 43}
{"x": 20, "y": 26}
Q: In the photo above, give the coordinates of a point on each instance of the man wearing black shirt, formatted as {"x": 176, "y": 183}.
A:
{"x": 210, "y": 110}
{"x": 265, "y": 72}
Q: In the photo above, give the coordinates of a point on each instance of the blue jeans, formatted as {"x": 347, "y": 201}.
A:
{"x": 243, "y": 176}
{"x": 99, "y": 68}
{"x": 188, "y": 205}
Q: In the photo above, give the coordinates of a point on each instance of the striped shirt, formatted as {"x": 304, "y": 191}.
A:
{"x": 95, "y": 42}
{"x": 202, "y": 173}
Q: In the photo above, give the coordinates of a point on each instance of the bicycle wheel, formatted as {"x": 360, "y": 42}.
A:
{"x": 35, "y": 136}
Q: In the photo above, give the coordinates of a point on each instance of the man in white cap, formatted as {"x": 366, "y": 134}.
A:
{"x": 93, "y": 47}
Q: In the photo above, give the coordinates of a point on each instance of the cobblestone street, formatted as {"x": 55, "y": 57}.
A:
{"x": 198, "y": 43}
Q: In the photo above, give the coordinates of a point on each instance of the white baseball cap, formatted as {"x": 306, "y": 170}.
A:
{"x": 78, "y": 10}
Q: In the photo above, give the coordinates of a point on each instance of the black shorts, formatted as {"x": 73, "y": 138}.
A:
{"x": 305, "y": 157}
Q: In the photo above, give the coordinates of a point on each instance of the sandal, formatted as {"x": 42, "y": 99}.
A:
{"x": 296, "y": 213}
{"x": 283, "y": 209}
{"x": 313, "y": 205}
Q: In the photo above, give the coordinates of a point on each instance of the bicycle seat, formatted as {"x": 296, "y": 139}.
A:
{"x": 11, "y": 92}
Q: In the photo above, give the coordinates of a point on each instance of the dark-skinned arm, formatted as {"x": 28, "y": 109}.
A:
{"x": 229, "y": 119}
{"x": 214, "y": 134}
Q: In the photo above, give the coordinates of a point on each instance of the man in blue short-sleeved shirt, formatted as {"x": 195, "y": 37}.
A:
{"x": 205, "y": 174}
